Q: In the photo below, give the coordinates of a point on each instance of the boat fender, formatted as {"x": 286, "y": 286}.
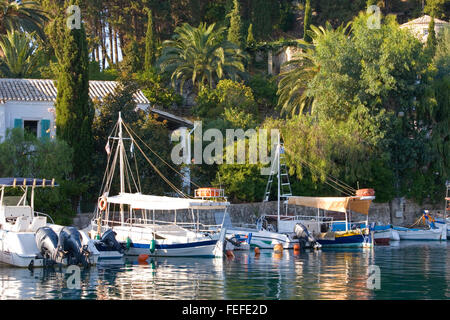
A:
{"x": 152, "y": 246}
{"x": 128, "y": 243}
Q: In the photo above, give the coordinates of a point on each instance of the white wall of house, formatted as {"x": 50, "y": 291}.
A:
{"x": 26, "y": 110}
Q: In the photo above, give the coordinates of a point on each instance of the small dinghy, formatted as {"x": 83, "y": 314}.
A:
{"x": 431, "y": 231}
{"x": 384, "y": 234}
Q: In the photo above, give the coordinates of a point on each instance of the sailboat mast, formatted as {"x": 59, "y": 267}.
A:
{"x": 279, "y": 179}
{"x": 122, "y": 173}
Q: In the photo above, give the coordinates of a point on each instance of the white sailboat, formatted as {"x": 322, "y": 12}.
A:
{"x": 28, "y": 240}
{"x": 137, "y": 228}
{"x": 264, "y": 235}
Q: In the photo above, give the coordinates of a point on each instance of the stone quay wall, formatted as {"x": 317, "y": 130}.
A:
{"x": 399, "y": 212}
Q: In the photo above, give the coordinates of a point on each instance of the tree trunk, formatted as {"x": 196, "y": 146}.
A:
{"x": 111, "y": 45}
{"x": 116, "y": 46}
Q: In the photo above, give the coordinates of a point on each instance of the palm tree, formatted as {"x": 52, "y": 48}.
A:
{"x": 20, "y": 57}
{"x": 294, "y": 96}
{"x": 201, "y": 55}
{"x": 21, "y": 15}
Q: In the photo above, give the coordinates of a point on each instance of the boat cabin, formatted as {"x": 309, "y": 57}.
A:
{"x": 16, "y": 213}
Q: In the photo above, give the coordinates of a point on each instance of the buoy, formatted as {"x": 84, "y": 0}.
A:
{"x": 142, "y": 257}
{"x": 278, "y": 248}
{"x": 278, "y": 255}
{"x": 128, "y": 245}
{"x": 257, "y": 250}
{"x": 296, "y": 247}
{"x": 230, "y": 254}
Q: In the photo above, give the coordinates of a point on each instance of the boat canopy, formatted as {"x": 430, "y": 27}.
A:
{"x": 338, "y": 204}
{"x": 149, "y": 202}
{"x": 27, "y": 182}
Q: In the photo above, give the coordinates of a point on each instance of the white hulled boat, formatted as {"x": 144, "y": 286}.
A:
{"x": 132, "y": 216}
{"x": 266, "y": 235}
{"x": 28, "y": 240}
{"x": 432, "y": 231}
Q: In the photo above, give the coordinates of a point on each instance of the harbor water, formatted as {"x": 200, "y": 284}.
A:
{"x": 402, "y": 270}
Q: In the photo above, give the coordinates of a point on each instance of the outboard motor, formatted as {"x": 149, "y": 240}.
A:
{"x": 304, "y": 236}
{"x": 47, "y": 243}
{"x": 70, "y": 242}
{"x": 108, "y": 242}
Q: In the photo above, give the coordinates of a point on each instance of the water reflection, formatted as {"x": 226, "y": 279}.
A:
{"x": 409, "y": 270}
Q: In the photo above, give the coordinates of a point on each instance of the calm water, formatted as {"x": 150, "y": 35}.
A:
{"x": 409, "y": 270}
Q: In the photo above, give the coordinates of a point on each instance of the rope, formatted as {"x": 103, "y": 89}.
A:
{"x": 153, "y": 165}
{"x": 175, "y": 170}
{"x": 107, "y": 163}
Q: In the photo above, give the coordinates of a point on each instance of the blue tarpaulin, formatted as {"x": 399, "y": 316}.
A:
{"x": 9, "y": 182}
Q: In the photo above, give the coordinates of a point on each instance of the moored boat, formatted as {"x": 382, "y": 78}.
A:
{"x": 382, "y": 237}
{"x": 28, "y": 240}
{"x": 358, "y": 235}
{"x": 132, "y": 216}
{"x": 431, "y": 231}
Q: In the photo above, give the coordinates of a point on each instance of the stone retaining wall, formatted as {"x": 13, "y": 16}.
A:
{"x": 398, "y": 212}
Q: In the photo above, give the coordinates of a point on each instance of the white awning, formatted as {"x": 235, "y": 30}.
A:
{"x": 141, "y": 201}
{"x": 338, "y": 204}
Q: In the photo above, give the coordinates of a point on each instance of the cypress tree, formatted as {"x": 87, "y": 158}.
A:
{"x": 307, "y": 21}
{"x": 150, "y": 46}
{"x": 74, "y": 111}
{"x": 235, "y": 31}
{"x": 250, "y": 38}
{"x": 431, "y": 39}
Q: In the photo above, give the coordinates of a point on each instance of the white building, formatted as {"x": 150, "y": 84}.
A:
{"x": 30, "y": 104}
{"x": 419, "y": 26}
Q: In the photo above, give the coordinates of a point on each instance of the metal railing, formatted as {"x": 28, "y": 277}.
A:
{"x": 45, "y": 215}
{"x": 142, "y": 223}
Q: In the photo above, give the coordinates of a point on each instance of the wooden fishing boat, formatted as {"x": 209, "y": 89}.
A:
{"x": 358, "y": 235}
{"x": 132, "y": 215}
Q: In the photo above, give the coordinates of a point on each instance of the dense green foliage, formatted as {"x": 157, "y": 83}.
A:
{"x": 307, "y": 21}
{"x": 22, "y": 155}
{"x": 366, "y": 104}
{"x": 153, "y": 132}
{"x": 25, "y": 15}
{"x": 150, "y": 46}
{"x": 74, "y": 112}
{"x": 20, "y": 55}
{"x": 369, "y": 107}
{"x": 200, "y": 55}
{"x": 235, "y": 34}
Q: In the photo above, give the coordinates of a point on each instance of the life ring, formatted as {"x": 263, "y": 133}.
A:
{"x": 102, "y": 204}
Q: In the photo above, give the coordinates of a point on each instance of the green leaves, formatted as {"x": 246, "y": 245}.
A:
{"x": 200, "y": 55}
{"x": 20, "y": 55}
{"x": 23, "y": 15}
